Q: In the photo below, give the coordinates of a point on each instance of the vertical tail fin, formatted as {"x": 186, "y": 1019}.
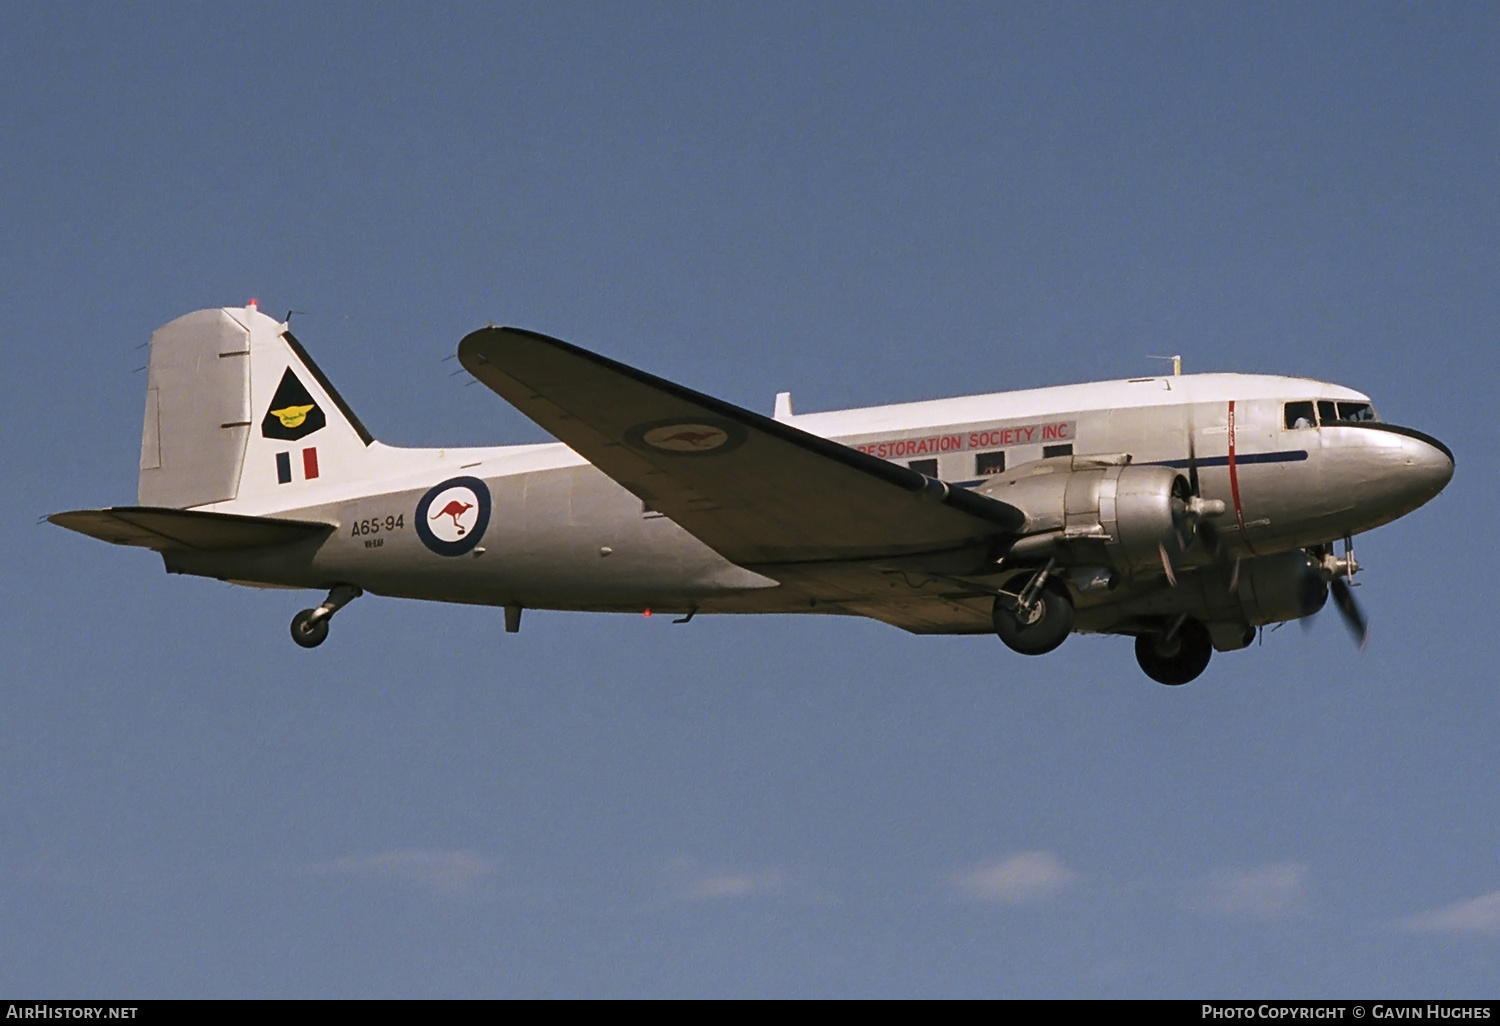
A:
{"x": 236, "y": 409}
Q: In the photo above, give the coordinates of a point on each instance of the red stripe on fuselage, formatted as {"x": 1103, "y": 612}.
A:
{"x": 1234, "y": 484}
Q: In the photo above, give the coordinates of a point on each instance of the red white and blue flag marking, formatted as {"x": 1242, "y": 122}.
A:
{"x": 309, "y": 465}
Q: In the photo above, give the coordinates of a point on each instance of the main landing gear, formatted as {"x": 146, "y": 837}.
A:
{"x": 310, "y": 627}
{"x": 1176, "y": 655}
{"x": 1033, "y": 614}
{"x": 1036, "y": 619}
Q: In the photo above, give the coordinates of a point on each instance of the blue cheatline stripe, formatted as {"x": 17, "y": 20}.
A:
{"x": 283, "y": 467}
{"x": 1240, "y": 459}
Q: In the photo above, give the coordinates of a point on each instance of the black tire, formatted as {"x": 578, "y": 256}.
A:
{"x": 306, "y": 631}
{"x": 1051, "y": 624}
{"x": 1179, "y": 663}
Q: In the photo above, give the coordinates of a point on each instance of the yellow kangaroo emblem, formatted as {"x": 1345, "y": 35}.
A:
{"x": 292, "y": 416}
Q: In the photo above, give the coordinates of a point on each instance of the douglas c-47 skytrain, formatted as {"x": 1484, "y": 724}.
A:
{"x": 1183, "y": 511}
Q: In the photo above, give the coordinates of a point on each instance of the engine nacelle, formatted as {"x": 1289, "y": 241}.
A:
{"x": 1266, "y": 589}
{"x": 1286, "y": 586}
{"x": 1097, "y": 511}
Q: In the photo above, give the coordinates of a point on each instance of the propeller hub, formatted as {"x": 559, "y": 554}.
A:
{"x": 1333, "y": 567}
{"x": 1200, "y": 508}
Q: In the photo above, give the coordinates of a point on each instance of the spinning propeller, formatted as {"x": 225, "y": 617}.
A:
{"x": 1336, "y": 574}
{"x": 1192, "y": 514}
{"x": 1332, "y": 575}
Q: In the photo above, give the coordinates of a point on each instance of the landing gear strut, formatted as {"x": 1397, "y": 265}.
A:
{"x": 1177, "y": 655}
{"x": 1036, "y": 619}
{"x": 310, "y": 627}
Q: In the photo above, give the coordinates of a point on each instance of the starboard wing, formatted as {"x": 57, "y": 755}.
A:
{"x": 756, "y": 490}
{"x": 164, "y": 530}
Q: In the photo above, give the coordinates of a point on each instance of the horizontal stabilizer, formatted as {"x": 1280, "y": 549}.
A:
{"x": 164, "y": 530}
{"x": 756, "y": 490}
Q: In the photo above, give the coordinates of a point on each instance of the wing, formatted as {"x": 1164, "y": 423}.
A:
{"x": 953, "y": 614}
{"x": 756, "y": 490}
{"x": 165, "y": 530}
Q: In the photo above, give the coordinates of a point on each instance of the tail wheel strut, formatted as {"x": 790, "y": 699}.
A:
{"x": 310, "y": 627}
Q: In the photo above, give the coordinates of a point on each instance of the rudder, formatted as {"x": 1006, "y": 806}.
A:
{"x": 236, "y": 409}
{"x": 197, "y": 411}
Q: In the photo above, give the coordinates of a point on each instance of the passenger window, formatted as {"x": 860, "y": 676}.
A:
{"x": 1356, "y": 413}
{"x": 1299, "y": 415}
{"x": 1325, "y": 411}
{"x": 989, "y": 463}
{"x": 1048, "y": 451}
{"x": 928, "y": 467}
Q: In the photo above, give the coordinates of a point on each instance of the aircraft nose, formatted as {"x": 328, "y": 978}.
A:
{"x": 1428, "y": 466}
{"x": 1387, "y": 471}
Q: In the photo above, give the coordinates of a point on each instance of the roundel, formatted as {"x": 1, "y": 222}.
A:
{"x": 452, "y": 516}
{"x": 687, "y": 437}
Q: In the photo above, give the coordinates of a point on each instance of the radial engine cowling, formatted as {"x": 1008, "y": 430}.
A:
{"x": 1098, "y": 511}
{"x": 1286, "y": 586}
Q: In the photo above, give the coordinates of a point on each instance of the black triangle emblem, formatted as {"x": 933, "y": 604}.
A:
{"x": 293, "y": 413}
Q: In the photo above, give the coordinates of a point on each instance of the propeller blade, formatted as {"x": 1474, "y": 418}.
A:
{"x": 1166, "y": 564}
{"x": 1210, "y": 535}
{"x": 1193, "y": 458}
{"x": 1354, "y": 617}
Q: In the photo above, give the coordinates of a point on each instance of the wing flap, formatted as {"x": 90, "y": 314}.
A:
{"x": 754, "y": 489}
{"x": 166, "y": 530}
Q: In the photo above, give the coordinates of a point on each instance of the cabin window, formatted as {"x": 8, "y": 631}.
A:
{"x": 1356, "y": 413}
{"x": 989, "y": 463}
{"x": 928, "y": 467}
{"x": 1325, "y": 411}
{"x": 1048, "y": 451}
{"x": 1299, "y": 415}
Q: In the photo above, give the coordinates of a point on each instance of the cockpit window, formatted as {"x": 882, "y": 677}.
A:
{"x": 1301, "y": 414}
{"x": 1356, "y": 413}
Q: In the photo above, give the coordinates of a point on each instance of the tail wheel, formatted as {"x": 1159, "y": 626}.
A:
{"x": 1043, "y": 628}
{"x": 1176, "y": 660}
{"x": 307, "y": 631}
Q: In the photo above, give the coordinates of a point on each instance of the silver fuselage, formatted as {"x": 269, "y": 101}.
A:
{"x": 562, "y": 535}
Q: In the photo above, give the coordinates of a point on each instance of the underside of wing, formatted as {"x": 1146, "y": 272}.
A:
{"x": 168, "y": 530}
{"x": 756, "y": 490}
{"x": 953, "y": 614}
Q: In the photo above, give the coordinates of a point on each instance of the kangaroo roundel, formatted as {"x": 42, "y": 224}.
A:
{"x": 452, "y": 517}
{"x": 686, "y": 437}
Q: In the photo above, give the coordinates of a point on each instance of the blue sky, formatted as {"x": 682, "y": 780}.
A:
{"x": 856, "y": 203}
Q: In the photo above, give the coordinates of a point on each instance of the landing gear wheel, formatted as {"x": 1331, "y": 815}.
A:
{"x": 1048, "y": 625}
{"x": 310, "y": 627}
{"x": 1178, "y": 661}
{"x": 306, "y": 631}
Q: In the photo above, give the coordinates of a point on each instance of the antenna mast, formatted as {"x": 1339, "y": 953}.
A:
{"x": 1176, "y": 362}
